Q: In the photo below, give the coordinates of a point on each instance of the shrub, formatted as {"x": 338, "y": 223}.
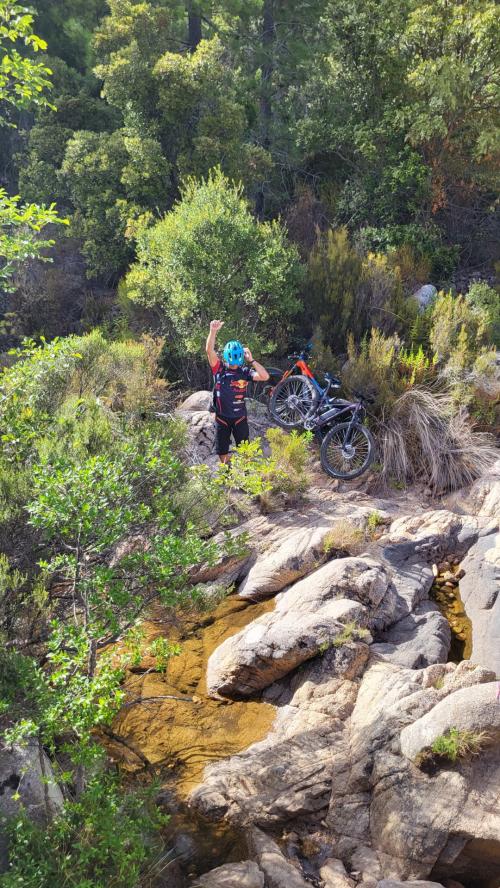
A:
{"x": 426, "y": 243}
{"x": 422, "y": 433}
{"x": 289, "y": 458}
{"x": 383, "y": 298}
{"x": 123, "y": 375}
{"x": 458, "y": 330}
{"x": 282, "y": 474}
{"x": 345, "y": 538}
{"x": 350, "y": 632}
{"x": 374, "y": 521}
{"x": 381, "y": 366}
{"x": 334, "y": 275}
{"x": 208, "y": 258}
{"x": 480, "y": 295}
{"x": 103, "y": 840}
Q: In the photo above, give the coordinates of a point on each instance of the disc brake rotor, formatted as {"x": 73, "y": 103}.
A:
{"x": 348, "y": 451}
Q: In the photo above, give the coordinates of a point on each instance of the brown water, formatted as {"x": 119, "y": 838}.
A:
{"x": 452, "y": 607}
{"x": 180, "y": 737}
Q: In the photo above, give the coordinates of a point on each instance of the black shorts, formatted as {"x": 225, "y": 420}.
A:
{"x": 238, "y": 428}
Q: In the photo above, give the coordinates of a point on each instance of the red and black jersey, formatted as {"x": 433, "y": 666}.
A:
{"x": 230, "y": 388}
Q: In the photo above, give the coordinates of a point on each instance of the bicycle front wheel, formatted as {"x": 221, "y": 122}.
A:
{"x": 347, "y": 451}
{"x": 292, "y": 400}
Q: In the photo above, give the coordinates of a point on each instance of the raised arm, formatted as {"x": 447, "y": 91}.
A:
{"x": 260, "y": 373}
{"x": 210, "y": 346}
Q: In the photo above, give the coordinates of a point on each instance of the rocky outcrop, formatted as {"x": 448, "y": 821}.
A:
{"x": 474, "y": 709}
{"x": 483, "y": 498}
{"x": 289, "y": 774}
{"x": 338, "y": 770}
{"x": 418, "y": 639}
{"x": 308, "y": 617}
{"x": 294, "y": 557}
{"x": 233, "y": 875}
{"x": 274, "y": 645}
{"x": 26, "y": 783}
{"x": 297, "y": 553}
{"x": 480, "y": 593}
{"x": 333, "y": 874}
{"x": 278, "y": 872}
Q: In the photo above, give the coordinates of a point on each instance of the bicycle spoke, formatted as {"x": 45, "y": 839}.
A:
{"x": 345, "y": 456}
{"x": 297, "y": 392}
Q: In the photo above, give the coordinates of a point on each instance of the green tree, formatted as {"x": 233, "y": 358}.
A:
{"x": 209, "y": 258}
{"x": 112, "y": 179}
{"x": 452, "y": 113}
{"x": 23, "y": 82}
{"x": 334, "y": 275}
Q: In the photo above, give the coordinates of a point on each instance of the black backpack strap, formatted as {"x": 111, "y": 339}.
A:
{"x": 213, "y": 405}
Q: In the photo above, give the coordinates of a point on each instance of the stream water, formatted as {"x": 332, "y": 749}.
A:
{"x": 179, "y": 737}
{"x": 450, "y": 604}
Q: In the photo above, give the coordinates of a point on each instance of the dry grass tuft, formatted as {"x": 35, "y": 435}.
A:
{"x": 345, "y": 538}
{"x": 425, "y": 438}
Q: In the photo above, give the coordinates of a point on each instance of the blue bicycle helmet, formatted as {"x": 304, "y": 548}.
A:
{"x": 233, "y": 353}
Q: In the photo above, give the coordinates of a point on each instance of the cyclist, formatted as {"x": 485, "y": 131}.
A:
{"x": 231, "y": 378}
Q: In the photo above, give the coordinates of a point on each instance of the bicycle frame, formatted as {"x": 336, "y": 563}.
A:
{"x": 303, "y": 367}
{"x": 319, "y": 420}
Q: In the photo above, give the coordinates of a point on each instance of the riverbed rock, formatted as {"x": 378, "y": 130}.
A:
{"x": 288, "y": 775}
{"x": 415, "y": 883}
{"x": 308, "y": 617}
{"x": 418, "y": 639}
{"x": 334, "y": 875}
{"x": 473, "y": 709}
{"x": 23, "y": 773}
{"x": 297, "y": 555}
{"x": 232, "y": 875}
{"x": 278, "y": 871}
{"x": 428, "y": 537}
{"x": 483, "y": 498}
{"x": 480, "y": 593}
{"x": 274, "y": 645}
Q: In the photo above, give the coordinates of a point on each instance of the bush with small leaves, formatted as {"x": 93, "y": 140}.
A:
{"x": 104, "y": 839}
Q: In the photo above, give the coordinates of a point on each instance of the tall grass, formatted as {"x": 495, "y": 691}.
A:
{"x": 425, "y": 438}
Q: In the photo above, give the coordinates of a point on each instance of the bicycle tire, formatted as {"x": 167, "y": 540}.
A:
{"x": 335, "y": 433}
{"x": 285, "y": 414}
{"x": 261, "y": 391}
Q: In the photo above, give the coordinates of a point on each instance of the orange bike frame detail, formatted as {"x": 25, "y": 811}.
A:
{"x": 304, "y": 369}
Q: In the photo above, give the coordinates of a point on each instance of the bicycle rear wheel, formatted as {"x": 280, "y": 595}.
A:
{"x": 347, "y": 451}
{"x": 292, "y": 400}
{"x": 262, "y": 391}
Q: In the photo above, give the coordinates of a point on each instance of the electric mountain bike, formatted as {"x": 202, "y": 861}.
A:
{"x": 347, "y": 447}
{"x": 297, "y": 400}
{"x": 296, "y": 393}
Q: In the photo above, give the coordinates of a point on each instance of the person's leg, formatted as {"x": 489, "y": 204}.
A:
{"x": 241, "y": 432}
{"x": 222, "y": 438}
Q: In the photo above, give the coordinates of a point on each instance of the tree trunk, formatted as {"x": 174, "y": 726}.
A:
{"x": 194, "y": 27}
{"x": 267, "y": 68}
